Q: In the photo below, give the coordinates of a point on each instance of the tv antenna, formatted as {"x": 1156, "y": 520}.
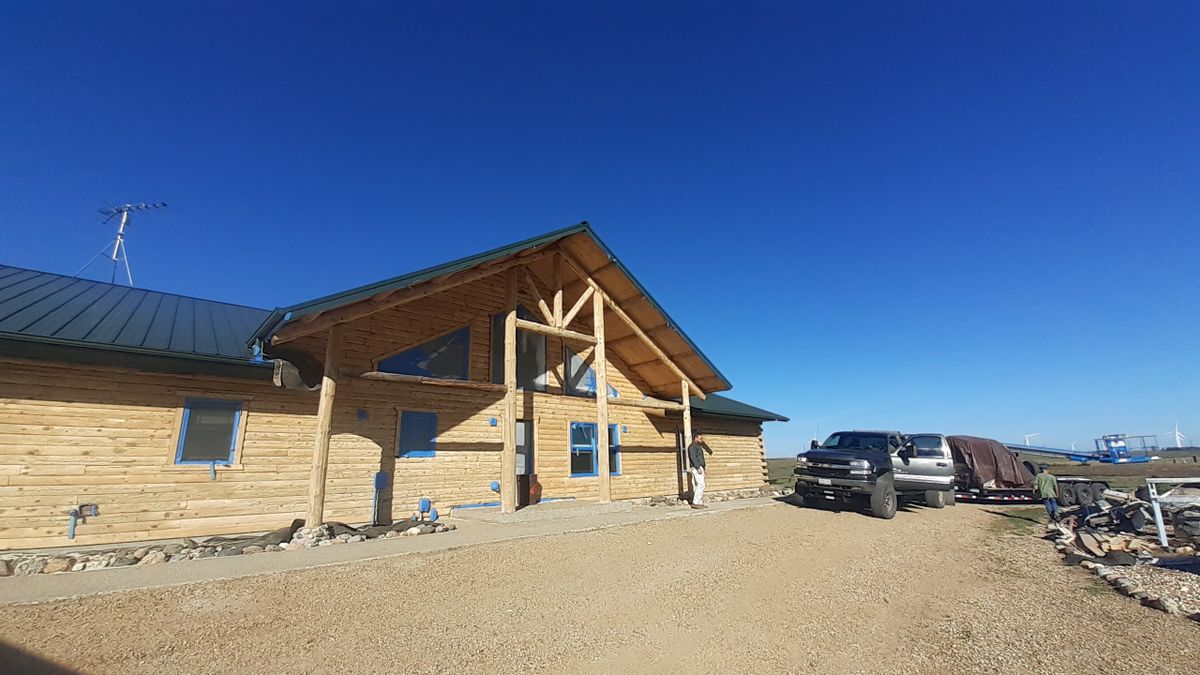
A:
{"x": 118, "y": 253}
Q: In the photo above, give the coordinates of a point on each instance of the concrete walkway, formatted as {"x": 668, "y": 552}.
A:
{"x": 470, "y": 532}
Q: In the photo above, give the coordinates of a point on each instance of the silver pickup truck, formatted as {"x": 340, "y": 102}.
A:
{"x": 873, "y": 470}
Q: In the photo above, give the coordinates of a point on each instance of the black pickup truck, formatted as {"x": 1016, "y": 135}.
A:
{"x": 872, "y": 470}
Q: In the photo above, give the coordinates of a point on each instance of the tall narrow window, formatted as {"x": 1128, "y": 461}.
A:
{"x": 583, "y": 450}
{"x": 531, "y": 354}
{"x": 445, "y": 357}
{"x": 417, "y": 434}
{"x": 581, "y": 378}
{"x": 208, "y": 432}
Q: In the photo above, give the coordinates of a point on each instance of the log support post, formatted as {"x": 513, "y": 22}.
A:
{"x": 686, "y": 397}
{"x": 556, "y": 261}
{"x": 508, "y": 456}
{"x": 315, "y": 513}
{"x": 600, "y": 365}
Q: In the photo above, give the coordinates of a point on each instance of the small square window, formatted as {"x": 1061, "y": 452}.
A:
{"x": 417, "y": 435}
{"x": 208, "y": 432}
{"x": 583, "y": 444}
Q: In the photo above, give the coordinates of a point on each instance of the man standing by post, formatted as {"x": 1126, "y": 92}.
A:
{"x": 696, "y": 459}
{"x": 1046, "y": 486}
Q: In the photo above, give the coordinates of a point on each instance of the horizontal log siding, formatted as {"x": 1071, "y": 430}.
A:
{"x": 71, "y": 435}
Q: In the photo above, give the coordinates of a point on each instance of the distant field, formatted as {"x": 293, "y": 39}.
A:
{"x": 779, "y": 470}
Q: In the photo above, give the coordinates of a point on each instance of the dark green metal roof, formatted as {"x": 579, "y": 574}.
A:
{"x": 716, "y": 404}
{"x": 61, "y": 310}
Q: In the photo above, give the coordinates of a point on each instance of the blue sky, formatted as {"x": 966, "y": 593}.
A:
{"x": 924, "y": 216}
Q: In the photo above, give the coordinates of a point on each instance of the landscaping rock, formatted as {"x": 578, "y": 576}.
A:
{"x": 78, "y": 567}
{"x": 141, "y": 553}
{"x": 1165, "y": 604}
{"x": 226, "y": 552}
{"x": 153, "y": 558}
{"x": 1126, "y": 586}
{"x": 29, "y": 566}
{"x": 412, "y": 531}
{"x": 325, "y": 542}
{"x": 356, "y": 538}
{"x": 172, "y": 549}
{"x": 5, "y": 568}
{"x": 274, "y": 547}
{"x": 56, "y": 565}
{"x": 252, "y": 549}
{"x": 205, "y": 552}
{"x": 124, "y": 562}
{"x": 96, "y": 565}
{"x": 426, "y": 529}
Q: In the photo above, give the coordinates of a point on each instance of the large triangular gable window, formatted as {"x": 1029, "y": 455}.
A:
{"x": 531, "y": 354}
{"x": 446, "y": 357}
{"x": 581, "y": 379}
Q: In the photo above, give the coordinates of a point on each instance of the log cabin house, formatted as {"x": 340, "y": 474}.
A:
{"x": 542, "y": 367}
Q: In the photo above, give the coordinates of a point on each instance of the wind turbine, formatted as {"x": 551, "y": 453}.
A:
{"x": 1028, "y": 437}
{"x": 1179, "y": 438}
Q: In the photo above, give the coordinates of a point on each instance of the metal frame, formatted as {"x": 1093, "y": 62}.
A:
{"x": 1156, "y": 500}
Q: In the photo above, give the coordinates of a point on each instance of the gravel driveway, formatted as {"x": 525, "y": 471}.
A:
{"x": 774, "y": 589}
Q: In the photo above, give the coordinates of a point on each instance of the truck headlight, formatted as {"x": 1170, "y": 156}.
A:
{"x": 860, "y": 463}
{"x": 801, "y": 459}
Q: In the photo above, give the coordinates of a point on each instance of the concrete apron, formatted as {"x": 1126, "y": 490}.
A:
{"x": 474, "y": 532}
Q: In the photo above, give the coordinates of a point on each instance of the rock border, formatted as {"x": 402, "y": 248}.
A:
{"x": 1121, "y": 583}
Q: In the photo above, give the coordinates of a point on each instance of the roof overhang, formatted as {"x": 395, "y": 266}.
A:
{"x": 581, "y": 249}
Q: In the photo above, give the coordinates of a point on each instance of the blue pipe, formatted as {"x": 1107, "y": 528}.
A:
{"x": 212, "y": 470}
{"x": 74, "y": 513}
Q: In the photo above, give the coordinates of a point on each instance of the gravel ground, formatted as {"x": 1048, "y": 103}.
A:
{"x": 1182, "y": 587}
{"x": 771, "y": 589}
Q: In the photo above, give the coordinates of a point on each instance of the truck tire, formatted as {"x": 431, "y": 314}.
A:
{"x": 883, "y": 500}
{"x": 1066, "y": 495}
{"x": 935, "y": 499}
{"x": 1084, "y": 495}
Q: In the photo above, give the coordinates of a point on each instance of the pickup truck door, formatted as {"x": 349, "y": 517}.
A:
{"x": 924, "y": 464}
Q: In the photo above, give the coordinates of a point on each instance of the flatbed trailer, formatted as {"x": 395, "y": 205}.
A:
{"x": 1072, "y": 490}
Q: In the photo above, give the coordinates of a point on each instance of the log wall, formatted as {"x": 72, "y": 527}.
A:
{"x": 74, "y": 434}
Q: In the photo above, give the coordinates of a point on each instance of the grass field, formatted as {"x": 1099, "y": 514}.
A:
{"x": 779, "y": 471}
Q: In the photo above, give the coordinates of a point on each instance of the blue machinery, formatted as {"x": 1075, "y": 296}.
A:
{"x": 1110, "y": 449}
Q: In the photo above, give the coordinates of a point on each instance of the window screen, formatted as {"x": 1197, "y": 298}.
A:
{"x": 418, "y": 434}
{"x": 581, "y": 378}
{"x": 445, "y": 357}
{"x": 208, "y": 432}
{"x": 531, "y": 354}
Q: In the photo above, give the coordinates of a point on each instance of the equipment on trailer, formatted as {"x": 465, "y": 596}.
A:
{"x": 1110, "y": 449}
{"x": 985, "y": 469}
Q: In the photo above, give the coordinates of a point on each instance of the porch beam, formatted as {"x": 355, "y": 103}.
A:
{"x": 547, "y": 314}
{"x": 634, "y": 327}
{"x": 577, "y": 306}
{"x": 390, "y": 299}
{"x": 508, "y": 455}
{"x": 434, "y": 381}
{"x": 535, "y": 327}
{"x": 556, "y": 278}
{"x": 315, "y": 513}
{"x": 600, "y": 366}
{"x": 648, "y": 404}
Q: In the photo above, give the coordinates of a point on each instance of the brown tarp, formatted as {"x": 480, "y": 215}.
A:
{"x": 988, "y": 463}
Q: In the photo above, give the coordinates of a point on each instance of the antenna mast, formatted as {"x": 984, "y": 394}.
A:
{"x": 118, "y": 253}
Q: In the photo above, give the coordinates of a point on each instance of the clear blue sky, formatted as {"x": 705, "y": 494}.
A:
{"x": 923, "y": 216}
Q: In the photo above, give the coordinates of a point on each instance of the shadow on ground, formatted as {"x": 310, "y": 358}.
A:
{"x": 17, "y": 662}
{"x": 838, "y": 506}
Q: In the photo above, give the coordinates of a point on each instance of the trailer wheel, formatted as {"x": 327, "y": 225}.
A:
{"x": 883, "y": 500}
{"x": 935, "y": 499}
{"x": 1067, "y": 496}
{"x": 1084, "y": 494}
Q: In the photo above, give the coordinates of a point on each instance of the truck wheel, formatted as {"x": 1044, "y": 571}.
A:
{"x": 935, "y": 499}
{"x": 883, "y": 500}
{"x": 1084, "y": 495}
{"x": 1066, "y": 495}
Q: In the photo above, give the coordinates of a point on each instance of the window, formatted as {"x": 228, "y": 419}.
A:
{"x": 208, "y": 432}
{"x": 417, "y": 434}
{"x": 927, "y": 446}
{"x": 531, "y": 354}
{"x": 444, "y": 357}
{"x": 581, "y": 378}
{"x": 583, "y": 450}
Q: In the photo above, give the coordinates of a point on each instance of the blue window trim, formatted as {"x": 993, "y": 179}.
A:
{"x": 570, "y": 390}
{"x": 183, "y": 425}
{"x": 401, "y": 453}
{"x": 613, "y": 435}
